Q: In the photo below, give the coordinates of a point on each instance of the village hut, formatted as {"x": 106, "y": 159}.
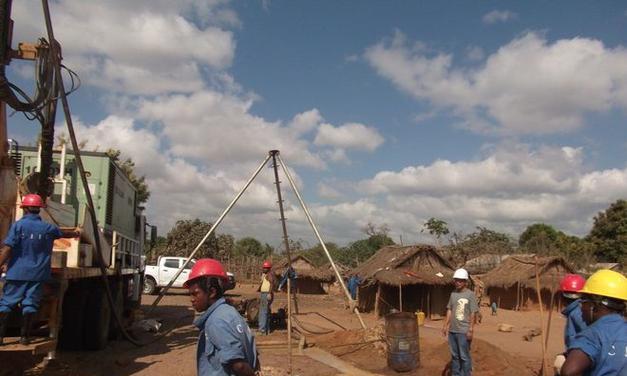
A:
{"x": 512, "y": 285}
{"x": 484, "y": 263}
{"x": 406, "y": 278}
{"x": 309, "y": 278}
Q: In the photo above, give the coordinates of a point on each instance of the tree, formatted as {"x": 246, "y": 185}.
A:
{"x": 540, "y": 238}
{"x": 608, "y": 235}
{"x": 250, "y": 246}
{"x": 184, "y": 237}
{"x": 482, "y": 241}
{"x": 128, "y": 167}
{"x": 317, "y": 256}
{"x": 435, "y": 227}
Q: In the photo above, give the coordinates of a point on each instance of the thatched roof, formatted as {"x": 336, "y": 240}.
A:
{"x": 521, "y": 268}
{"x": 305, "y": 269}
{"x": 484, "y": 263}
{"x": 409, "y": 265}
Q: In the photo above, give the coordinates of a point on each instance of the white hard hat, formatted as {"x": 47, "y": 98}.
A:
{"x": 460, "y": 274}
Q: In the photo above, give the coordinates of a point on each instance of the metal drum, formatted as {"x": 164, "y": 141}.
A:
{"x": 401, "y": 330}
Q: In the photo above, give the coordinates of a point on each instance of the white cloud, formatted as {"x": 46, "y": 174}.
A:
{"x": 527, "y": 86}
{"x": 349, "y": 136}
{"x": 498, "y": 16}
{"x": 213, "y": 127}
{"x": 326, "y": 191}
{"x": 511, "y": 187}
{"x": 306, "y": 121}
{"x": 137, "y": 47}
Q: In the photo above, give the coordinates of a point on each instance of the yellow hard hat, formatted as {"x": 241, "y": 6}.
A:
{"x": 606, "y": 283}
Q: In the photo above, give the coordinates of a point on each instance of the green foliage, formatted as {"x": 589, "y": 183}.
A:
{"x": 128, "y": 167}
{"x": 435, "y": 227}
{"x": 250, "y": 246}
{"x": 317, "y": 256}
{"x": 482, "y": 241}
{"x": 545, "y": 240}
{"x": 540, "y": 237}
{"x": 184, "y": 237}
{"x": 608, "y": 235}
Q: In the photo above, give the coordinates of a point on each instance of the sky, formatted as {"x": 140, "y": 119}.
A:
{"x": 496, "y": 113}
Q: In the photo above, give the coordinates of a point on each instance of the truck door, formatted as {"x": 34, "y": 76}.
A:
{"x": 168, "y": 271}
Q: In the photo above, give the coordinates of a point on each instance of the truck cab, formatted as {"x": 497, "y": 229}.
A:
{"x": 157, "y": 276}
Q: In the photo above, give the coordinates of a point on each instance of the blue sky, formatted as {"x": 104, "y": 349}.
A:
{"x": 497, "y": 114}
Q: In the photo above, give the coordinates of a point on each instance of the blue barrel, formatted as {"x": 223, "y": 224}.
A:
{"x": 401, "y": 331}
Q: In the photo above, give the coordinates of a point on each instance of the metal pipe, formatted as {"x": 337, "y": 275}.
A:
{"x": 274, "y": 154}
{"x": 62, "y": 172}
{"x": 324, "y": 247}
{"x": 213, "y": 227}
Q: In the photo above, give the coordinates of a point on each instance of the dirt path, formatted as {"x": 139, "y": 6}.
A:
{"x": 175, "y": 353}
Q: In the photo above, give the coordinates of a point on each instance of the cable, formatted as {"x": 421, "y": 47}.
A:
{"x": 55, "y": 56}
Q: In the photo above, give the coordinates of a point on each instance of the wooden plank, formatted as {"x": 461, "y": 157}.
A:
{"x": 331, "y": 360}
{"x": 38, "y": 345}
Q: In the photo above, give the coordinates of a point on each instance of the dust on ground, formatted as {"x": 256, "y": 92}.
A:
{"x": 494, "y": 352}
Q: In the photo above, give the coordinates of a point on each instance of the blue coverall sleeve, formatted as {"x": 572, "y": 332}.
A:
{"x": 13, "y": 238}
{"x": 588, "y": 342}
{"x": 226, "y": 340}
{"x": 55, "y": 232}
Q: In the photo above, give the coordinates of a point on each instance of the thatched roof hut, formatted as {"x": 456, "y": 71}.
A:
{"x": 513, "y": 283}
{"x": 309, "y": 277}
{"x": 484, "y": 263}
{"x": 407, "y": 278}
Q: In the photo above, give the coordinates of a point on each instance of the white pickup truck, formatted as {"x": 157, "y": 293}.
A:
{"x": 158, "y": 276}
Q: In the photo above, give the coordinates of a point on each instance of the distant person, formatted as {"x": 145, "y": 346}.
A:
{"x": 226, "y": 345}
{"x": 353, "y": 285}
{"x": 266, "y": 296}
{"x": 291, "y": 274}
{"x": 25, "y": 255}
{"x": 493, "y": 307}
{"x": 601, "y": 348}
{"x": 570, "y": 286}
{"x": 459, "y": 324}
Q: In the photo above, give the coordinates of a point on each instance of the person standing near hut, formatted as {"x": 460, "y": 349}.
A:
{"x": 459, "y": 324}
{"x": 266, "y": 290}
{"x": 601, "y": 348}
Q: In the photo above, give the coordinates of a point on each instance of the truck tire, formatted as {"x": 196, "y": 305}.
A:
{"x": 74, "y": 303}
{"x": 97, "y": 320}
{"x": 150, "y": 286}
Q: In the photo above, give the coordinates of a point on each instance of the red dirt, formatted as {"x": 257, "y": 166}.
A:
{"x": 494, "y": 353}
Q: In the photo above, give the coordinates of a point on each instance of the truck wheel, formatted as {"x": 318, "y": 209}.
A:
{"x": 71, "y": 334}
{"x": 96, "y": 328}
{"x": 150, "y": 286}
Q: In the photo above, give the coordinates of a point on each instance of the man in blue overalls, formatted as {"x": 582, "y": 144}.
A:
{"x": 601, "y": 348}
{"x": 226, "y": 345}
{"x": 27, "y": 249}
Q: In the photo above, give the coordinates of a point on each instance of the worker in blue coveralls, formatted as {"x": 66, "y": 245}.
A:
{"x": 601, "y": 348}
{"x": 570, "y": 286}
{"x": 27, "y": 249}
{"x": 226, "y": 345}
{"x": 353, "y": 285}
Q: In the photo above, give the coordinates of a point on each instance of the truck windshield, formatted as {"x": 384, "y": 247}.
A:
{"x": 191, "y": 264}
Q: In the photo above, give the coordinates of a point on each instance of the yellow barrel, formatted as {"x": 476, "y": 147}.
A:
{"x": 420, "y": 317}
{"x": 401, "y": 331}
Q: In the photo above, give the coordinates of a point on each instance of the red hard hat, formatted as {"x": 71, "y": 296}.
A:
{"x": 572, "y": 283}
{"x": 267, "y": 264}
{"x": 32, "y": 200}
{"x": 206, "y": 268}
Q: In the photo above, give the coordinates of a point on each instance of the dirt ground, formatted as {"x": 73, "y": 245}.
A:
{"x": 494, "y": 353}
